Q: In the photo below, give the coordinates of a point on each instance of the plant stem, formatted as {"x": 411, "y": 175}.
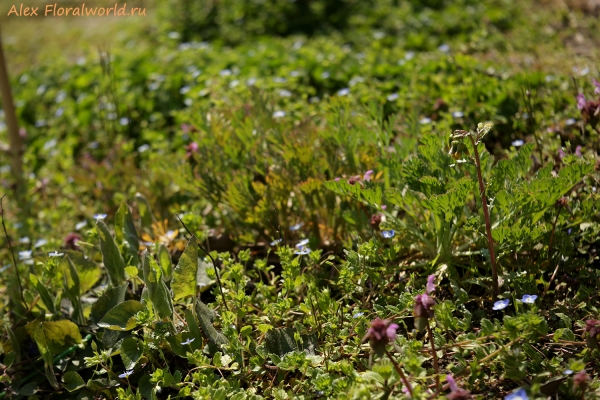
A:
{"x": 399, "y": 370}
{"x": 12, "y": 252}
{"x": 488, "y": 224}
{"x": 435, "y": 359}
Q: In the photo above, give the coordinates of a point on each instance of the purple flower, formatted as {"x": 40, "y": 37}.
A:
{"x": 578, "y": 151}
{"x": 592, "y": 326}
{"x": 430, "y": 284}
{"x": 457, "y": 393}
{"x": 276, "y": 242}
{"x": 337, "y": 179}
{"x": 367, "y": 176}
{"x": 383, "y": 207}
{"x": 191, "y": 149}
{"x": 501, "y": 304}
{"x": 580, "y": 380}
{"x": 597, "y": 85}
{"x": 581, "y": 101}
{"x": 423, "y": 310}
{"x": 381, "y": 332}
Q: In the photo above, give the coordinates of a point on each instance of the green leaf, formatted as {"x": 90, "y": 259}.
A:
{"x": 193, "y": 325}
{"x": 181, "y": 349}
{"x": 46, "y": 297}
{"x": 113, "y": 261}
{"x": 88, "y": 271}
{"x": 281, "y": 341}
{"x": 164, "y": 259}
{"x": 109, "y": 299}
{"x": 122, "y": 316}
{"x": 205, "y": 317}
{"x": 132, "y": 242}
{"x": 60, "y": 335}
{"x": 186, "y": 271}
{"x": 28, "y": 390}
{"x": 71, "y": 277}
{"x": 72, "y": 381}
{"x": 157, "y": 290}
{"x": 131, "y": 352}
{"x": 40, "y": 340}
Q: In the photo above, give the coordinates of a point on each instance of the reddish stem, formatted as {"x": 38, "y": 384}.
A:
{"x": 488, "y": 224}
{"x": 435, "y": 359}
{"x": 399, "y": 370}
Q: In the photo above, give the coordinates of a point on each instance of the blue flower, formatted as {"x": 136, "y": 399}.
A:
{"x": 296, "y": 227}
{"x": 388, "y": 234}
{"x": 568, "y": 372}
{"x": 126, "y": 374}
{"x": 25, "y": 254}
{"x": 99, "y": 216}
{"x": 303, "y": 251}
{"x": 425, "y": 121}
{"x": 529, "y": 298}
{"x": 80, "y": 225}
{"x": 518, "y": 143}
{"x": 302, "y": 243}
{"x": 276, "y": 242}
{"x": 24, "y": 240}
{"x": 56, "y": 254}
{"x": 279, "y": 114}
{"x": 393, "y": 97}
{"x": 40, "y": 243}
{"x": 190, "y": 340}
{"x": 343, "y": 92}
{"x": 501, "y": 304}
{"x": 519, "y": 394}
{"x": 358, "y": 315}
{"x": 458, "y": 114}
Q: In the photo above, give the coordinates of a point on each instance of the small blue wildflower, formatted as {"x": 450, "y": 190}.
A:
{"x": 279, "y": 114}
{"x": 570, "y": 121}
{"x": 518, "y": 143}
{"x": 302, "y": 243}
{"x": 444, "y": 48}
{"x": 325, "y": 75}
{"x": 425, "y": 121}
{"x": 519, "y": 394}
{"x": 388, "y": 234}
{"x": 25, "y": 254}
{"x": 279, "y": 80}
{"x": 40, "y": 243}
{"x": 190, "y": 340}
{"x": 529, "y": 298}
{"x": 285, "y": 93}
{"x": 24, "y": 240}
{"x": 568, "y": 372}
{"x": 343, "y": 92}
{"x": 393, "y": 97}
{"x": 55, "y": 254}
{"x": 99, "y": 216}
{"x": 303, "y": 251}
{"x": 458, "y": 114}
{"x": 145, "y": 147}
{"x": 225, "y": 72}
{"x": 251, "y": 81}
{"x": 126, "y": 374}
{"x": 276, "y": 242}
{"x": 358, "y": 315}
{"x": 296, "y": 227}
{"x": 409, "y": 55}
{"x": 501, "y": 304}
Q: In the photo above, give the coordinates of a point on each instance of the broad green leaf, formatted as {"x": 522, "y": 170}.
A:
{"x": 131, "y": 352}
{"x": 88, "y": 271}
{"x": 164, "y": 259}
{"x": 122, "y": 316}
{"x": 281, "y": 341}
{"x": 72, "y": 381}
{"x": 157, "y": 290}
{"x": 186, "y": 271}
{"x": 14, "y": 343}
{"x": 112, "y": 258}
{"x": 71, "y": 280}
{"x": 46, "y": 297}
{"x": 193, "y": 325}
{"x": 60, "y": 335}
{"x": 28, "y": 390}
{"x": 205, "y": 317}
{"x": 109, "y": 299}
{"x": 178, "y": 346}
{"x": 40, "y": 340}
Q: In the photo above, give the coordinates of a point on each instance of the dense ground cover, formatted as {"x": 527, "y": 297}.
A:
{"x": 244, "y": 204}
